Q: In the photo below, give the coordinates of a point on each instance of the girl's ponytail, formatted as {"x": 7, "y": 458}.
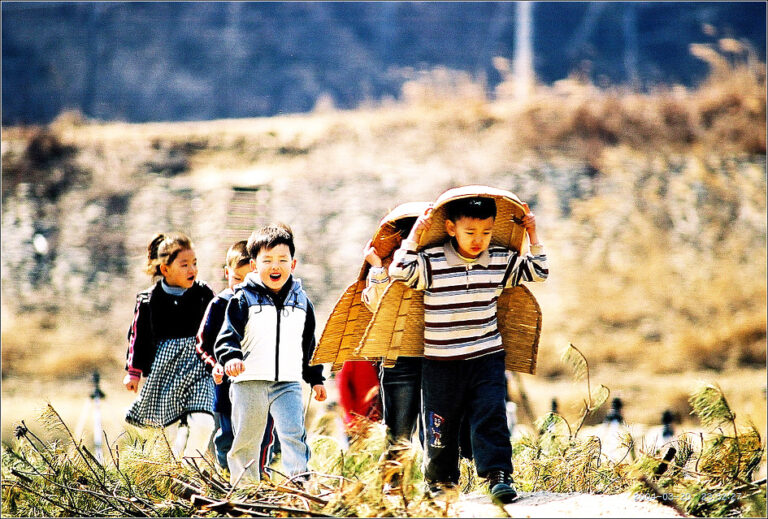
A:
{"x": 153, "y": 264}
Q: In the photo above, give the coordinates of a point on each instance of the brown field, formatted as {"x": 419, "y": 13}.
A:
{"x": 652, "y": 208}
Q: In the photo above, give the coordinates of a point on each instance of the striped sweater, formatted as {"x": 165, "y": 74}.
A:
{"x": 460, "y": 295}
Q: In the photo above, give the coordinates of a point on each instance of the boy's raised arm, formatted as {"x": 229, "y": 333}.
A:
{"x": 407, "y": 264}
{"x": 533, "y": 266}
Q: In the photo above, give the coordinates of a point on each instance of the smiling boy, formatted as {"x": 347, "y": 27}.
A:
{"x": 463, "y": 367}
{"x": 265, "y": 346}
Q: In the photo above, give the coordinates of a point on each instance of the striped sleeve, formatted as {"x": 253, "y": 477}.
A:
{"x": 410, "y": 266}
{"x": 376, "y": 283}
{"x": 532, "y": 266}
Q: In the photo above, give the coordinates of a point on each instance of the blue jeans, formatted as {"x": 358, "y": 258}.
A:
{"x": 473, "y": 390}
{"x": 401, "y": 397}
{"x": 224, "y": 438}
{"x": 252, "y": 402}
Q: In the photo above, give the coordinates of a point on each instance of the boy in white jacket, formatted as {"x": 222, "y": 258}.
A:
{"x": 265, "y": 345}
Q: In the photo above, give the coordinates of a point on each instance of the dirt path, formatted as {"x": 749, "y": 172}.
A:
{"x": 549, "y": 504}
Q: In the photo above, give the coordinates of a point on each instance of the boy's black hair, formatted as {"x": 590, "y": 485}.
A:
{"x": 268, "y": 237}
{"x": 237, "y": 255}
{"x": 479, "y": 207}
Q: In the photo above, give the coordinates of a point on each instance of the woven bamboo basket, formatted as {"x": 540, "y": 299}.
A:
{"x": 397, "y": 327}
{"x": 349, "y": 317}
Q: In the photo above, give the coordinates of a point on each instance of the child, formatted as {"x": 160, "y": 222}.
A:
{"x": 161, "y": 346}
{"x": 463, "y": 366}
{"x": 238, "y": 265}
{"x": 400, "y": 384}
{"x": 265, "y": 345}
{"x": 358, "y": 384}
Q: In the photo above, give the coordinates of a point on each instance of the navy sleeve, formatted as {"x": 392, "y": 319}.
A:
{"x": 312, "y": 375}
{"x": 209, "y": 330}
{"x": 232, "y": 330}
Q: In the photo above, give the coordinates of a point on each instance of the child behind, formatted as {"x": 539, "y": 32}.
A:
{"x": 238, "y": 265}
{"x": 265, "y": 346}
{"x": 162, "y": 346}
{"x": 463, "y": 366}
{"x": 400, "y": 384}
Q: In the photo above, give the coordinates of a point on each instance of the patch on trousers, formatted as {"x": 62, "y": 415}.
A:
{"x": 435, "y": 430}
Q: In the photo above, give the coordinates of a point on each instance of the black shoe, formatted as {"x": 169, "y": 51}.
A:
{"x": 502, "y": 487}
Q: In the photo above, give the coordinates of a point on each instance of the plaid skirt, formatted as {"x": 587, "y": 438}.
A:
{"x": 177, "y": 385}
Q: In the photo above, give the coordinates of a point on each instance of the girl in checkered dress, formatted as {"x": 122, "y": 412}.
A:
{"x": 161, "y": 347}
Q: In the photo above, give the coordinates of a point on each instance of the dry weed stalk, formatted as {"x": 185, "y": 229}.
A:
{"x": 705, "y": 476}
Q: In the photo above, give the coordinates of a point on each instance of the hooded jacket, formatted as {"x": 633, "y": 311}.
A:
{"x": 273, "y": 333}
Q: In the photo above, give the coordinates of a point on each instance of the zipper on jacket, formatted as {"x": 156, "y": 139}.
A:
{"x": 277, "y": 344}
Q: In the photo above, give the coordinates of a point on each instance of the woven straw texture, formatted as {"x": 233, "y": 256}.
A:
{"x": 344, "y": 329}
{"x": 507, "y": 228}
{"x": 397, "y": 328}
{"x": 350, "y": 317}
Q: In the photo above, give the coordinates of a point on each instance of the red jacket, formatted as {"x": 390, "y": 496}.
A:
{"x": 358, "y": 383}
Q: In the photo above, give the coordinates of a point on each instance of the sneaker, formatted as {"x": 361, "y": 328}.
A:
{"x": 502, "y": 487}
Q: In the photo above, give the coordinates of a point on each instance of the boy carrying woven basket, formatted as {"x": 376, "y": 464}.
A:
{"x": 463, "y": 366}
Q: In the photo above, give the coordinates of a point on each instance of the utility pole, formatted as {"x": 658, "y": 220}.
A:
{"x": 523, "y": 65}
{"x": 97, "y": 395}
{"x": 629, "y": 23}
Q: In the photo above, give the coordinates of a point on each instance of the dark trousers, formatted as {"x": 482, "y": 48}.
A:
{"x": 472, "y": 389}
{"x": 401, "y": 397}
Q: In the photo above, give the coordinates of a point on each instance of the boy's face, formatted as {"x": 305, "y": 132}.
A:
{"x": 182, "y": 271}
{"x": 236, "y": 275}
{"x": 274, "y": 266}
{"x": 472, "y": 234}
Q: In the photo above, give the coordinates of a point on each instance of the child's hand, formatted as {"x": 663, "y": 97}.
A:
{"x": 369, "y": 251}
{"x": 131, "y": 383}
{"x": 234, "y": 367}
{"x": 320, "y": 393}
{"x": 218, "y": 373}
{"x": 422, "y": 225}
{"x": 529, "y": 222}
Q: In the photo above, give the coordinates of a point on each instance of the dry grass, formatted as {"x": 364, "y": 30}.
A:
{"x": 60, "y": 350}
{"x": 652, "y": 207}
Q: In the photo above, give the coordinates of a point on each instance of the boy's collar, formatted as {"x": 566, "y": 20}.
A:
{"x": 454, "y": 259}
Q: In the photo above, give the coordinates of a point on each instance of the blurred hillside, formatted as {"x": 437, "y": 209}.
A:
{"x": 170, "y": 61}
{"x": 652, "y": 208}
